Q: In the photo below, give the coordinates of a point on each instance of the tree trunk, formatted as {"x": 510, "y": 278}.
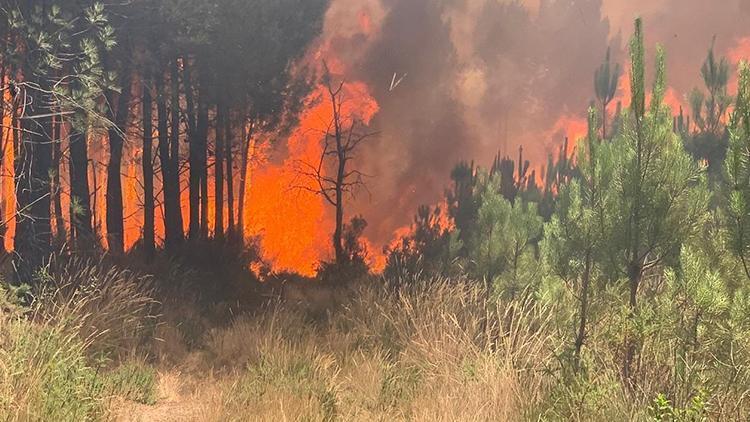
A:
{"x": 339, "y": 230}
{"x": 202, "y": 159}
{"x": 583, "y": 317}
{"x": 33, "y": 163}
{"x": 634, "y": 281}
{"x": 228, "y": 138}
{"x": 80, "y": 196}
{"x": 149, "y": 243}
{"x": 56, "y": 186}
{"x": 219, "y": 172}
{"x": 194, "y": 154}
{"x": 115, "y": 223}
{"x": 163, "y": 146}
{"x": 174, "y": 207}
{"x": 170, "y": 178}
{"x": 5, "y": 135}
{"x": 247, "y": 138}
{"x": 94, "y": 214}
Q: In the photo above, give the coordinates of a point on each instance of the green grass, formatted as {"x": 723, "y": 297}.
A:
{"x": 134, "y": 381}
{"x": 45, "y": 376}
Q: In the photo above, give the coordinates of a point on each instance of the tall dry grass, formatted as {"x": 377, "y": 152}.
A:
{"x": 438, "y": 351}
{"x": 55, "y": 355}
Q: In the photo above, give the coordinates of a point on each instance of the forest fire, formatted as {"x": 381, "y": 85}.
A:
{"x": 489, "y": 210}
{"x": 288, "y": 215}
{"x": 291, "y": 222}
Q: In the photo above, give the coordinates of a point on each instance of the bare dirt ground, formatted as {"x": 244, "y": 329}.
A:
{"x": 178, "y": 399}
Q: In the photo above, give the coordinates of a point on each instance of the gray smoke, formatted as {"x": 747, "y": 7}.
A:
{"x": 484, "y": 76}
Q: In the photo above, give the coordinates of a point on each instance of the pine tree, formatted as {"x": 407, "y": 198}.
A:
{"x": 502, "y": 241}
{"x": 737, "y": 172}
{"x": 61, "y": 80}
{"x": 606, "y": 79}
{"x": 709, "y": 139}
{"x": 661, "y": 196}
{"x": 576, "y": 236}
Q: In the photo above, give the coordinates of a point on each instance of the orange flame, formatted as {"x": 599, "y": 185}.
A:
{"x": 292, "y": 221}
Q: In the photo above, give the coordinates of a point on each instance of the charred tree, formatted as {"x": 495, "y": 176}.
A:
{"x": 194, "y": 158}
{"x": 148, "y": 168}
{"x": 202, "y": 159}
{"x": 247, "y": 139}
{"x": 60, "y": 231}
{"x": 80, "y": 197}
{"x": 163, "y": 144}
{"x": 172, "y": 203}
{"x": 168, "y": 159}
{"x": 332, "y": 174}
{"x": 228, "y": 138}
{"x": 119, "y": 118}
{"x": 219, "y": 171}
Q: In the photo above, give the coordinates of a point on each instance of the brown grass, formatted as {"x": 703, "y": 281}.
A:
{"x": 437, "y": 352}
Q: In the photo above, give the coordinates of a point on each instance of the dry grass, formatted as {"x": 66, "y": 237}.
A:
{"x": 54, "y": 356}
{"x": 112, "y": 309}
{"x": 436, "y": 352}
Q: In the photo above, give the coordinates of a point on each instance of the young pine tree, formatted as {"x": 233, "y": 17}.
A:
{"x": 501, "y": 247}
{"x": 576, "y": 237}
{"x": 737, "y": 173}
{"x": 661, "y": 199}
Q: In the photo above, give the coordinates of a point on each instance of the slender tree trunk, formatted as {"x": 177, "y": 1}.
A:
{"x": 583, "y": 312}
{"x": 115, "y": 217}
{"x": 168, "y": 156}
{"x": 247, "y": 138}
{"x": 33, "y": 164}
{"x": 174, "y": 210}
{"x": 635, "y": 267}
{"x": 163, "y": 151}
{"x": 228, "y": 138}
{"x": 149, "y": 243}
{"x": 339, "y": 230}
{"x": 341, "y": 158}
{"x": 194, "y": 154}
{"x": 634, "y": 281}
{"x": 56, "y": 186}
{"x": 202, "y": 159}
{"x": 219, "y": 172}
{"x": 5, "y": 135}
{"x": 95, "y": 215}
{"x": 80, "y": 196}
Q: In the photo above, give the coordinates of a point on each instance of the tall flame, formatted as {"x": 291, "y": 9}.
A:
{"x": 292, "y": 221}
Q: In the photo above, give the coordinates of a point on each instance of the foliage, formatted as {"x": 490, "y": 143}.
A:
{"x": 737, "y": 172}
{"x": 709, "y": 139}
{"x": 503, "y": 240}
{"x": 661, "y": 410}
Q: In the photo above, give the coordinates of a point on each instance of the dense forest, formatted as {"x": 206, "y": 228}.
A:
{"x": 138, "y": 283}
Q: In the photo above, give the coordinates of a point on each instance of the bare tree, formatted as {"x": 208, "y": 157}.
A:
{"x": 333, "y": 175}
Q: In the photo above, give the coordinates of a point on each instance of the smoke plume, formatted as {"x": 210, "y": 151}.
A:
{"x": 466, "y": 79}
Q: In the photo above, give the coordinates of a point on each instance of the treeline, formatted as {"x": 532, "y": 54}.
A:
{"x": 185, "y": 81}
{"x": 644, "y": 233}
